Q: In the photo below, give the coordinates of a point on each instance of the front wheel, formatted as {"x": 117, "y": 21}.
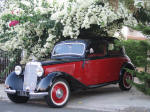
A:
{"x": 58, "y": 94}
{"x": 17, "y": 99}
{"x": 125, "y": 81}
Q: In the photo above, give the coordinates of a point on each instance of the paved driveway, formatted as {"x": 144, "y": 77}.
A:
{"x": 109, "y": 98}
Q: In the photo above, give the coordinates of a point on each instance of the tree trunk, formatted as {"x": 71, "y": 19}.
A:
{"x": 114, "y": 4}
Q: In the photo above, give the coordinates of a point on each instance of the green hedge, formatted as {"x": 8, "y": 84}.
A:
{"x": 137, "y": 51}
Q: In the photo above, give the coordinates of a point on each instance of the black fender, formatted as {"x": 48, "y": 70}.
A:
{"x": 128, "y": 65}
{"x": 47, "y": 81}
{"x": 14, "y": 82}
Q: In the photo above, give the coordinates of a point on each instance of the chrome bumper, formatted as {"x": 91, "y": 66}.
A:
{"x": 30, "y": 93}
{"x": 10, "y": 91}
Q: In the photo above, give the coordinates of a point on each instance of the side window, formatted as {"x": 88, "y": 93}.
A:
{"x": 114, "y": 50}
{"x": 97, "y": 49}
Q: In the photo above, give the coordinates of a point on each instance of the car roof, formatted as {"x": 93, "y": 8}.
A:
{"x": 88, "y": 41}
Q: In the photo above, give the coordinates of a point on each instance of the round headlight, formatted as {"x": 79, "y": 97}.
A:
{"x": 18, "y": 70}
{"x": 39, "y": 71}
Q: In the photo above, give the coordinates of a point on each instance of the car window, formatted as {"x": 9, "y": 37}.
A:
{"x": 69, "y": 49}
{"x": 97, "y": 49}
{"x": 113, "y": 49}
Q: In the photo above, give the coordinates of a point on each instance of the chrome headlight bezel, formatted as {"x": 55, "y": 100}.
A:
{"x": 39, "y": 71}
{"x": 18, "y": 70}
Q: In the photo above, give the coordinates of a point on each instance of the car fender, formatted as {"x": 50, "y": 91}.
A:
{"x": 14, "y": 82}
{"x": 128, "y": 65}
{"x": 47, "y": 81}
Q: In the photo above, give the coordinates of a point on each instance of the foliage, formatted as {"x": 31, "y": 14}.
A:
{"x": 143, "y": 17}
{"x": 129, "y": 4}
{"x": 144, "y": 29}
{"x": 137, "y": 51}
{"x": 34, "y": 26}
{"x": 144, "y": 84}
{"x": 13, "y": 60}
{"x": 141, "y": 11}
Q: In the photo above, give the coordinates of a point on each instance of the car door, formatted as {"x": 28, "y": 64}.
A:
{"x": 103, "y": 67}
{"x": 94, "y": 70}
{"x": 114, "y": 61}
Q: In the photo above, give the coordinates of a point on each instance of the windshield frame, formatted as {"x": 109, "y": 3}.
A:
{"x": 75, "y": 54}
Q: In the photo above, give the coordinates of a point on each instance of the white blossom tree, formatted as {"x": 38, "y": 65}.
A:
{"x": 35, "y": 25}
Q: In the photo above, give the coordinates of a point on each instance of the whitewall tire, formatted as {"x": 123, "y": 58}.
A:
{"x": 59, "y": 93}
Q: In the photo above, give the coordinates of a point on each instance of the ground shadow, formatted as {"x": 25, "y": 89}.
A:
{"x": 80, "y": 94}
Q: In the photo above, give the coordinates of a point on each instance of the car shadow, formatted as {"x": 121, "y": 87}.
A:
{"x": 79, "y": 98}
{"x": 108, "y": 90}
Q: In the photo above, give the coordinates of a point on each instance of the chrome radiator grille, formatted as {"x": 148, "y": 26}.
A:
{"x": 30, "y": 76}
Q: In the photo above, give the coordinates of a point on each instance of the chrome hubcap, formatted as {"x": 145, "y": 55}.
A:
{"x": 59, "y": 93}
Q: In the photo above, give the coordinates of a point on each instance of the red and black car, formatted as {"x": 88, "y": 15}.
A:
{"x": 74, "y": 64}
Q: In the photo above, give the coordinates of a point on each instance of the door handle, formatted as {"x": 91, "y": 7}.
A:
{"x": 83, "y": 64}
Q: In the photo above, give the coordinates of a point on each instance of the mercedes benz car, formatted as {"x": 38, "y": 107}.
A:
{"x": 74, "y": 65}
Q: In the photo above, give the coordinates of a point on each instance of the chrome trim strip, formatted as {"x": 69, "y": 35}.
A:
{"x": 10, "y": 91}
{"x": 31, "y": 94}
{"x": 38, "y": 94}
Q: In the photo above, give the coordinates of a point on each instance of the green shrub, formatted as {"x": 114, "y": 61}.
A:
{"x": 137, "y": 51}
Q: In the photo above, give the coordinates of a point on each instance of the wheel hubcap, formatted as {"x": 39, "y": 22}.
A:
{"x": 59, "y": 93}
{"x": 127, "y": 77}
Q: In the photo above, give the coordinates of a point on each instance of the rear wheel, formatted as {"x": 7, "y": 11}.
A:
{"x": 17, "y": 99}
{"x": 58, "y": 93}
{"x": 125, "y": 80}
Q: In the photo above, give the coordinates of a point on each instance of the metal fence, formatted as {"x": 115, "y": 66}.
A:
{"x": 6, "y": 64}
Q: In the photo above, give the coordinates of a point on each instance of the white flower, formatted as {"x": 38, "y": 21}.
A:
{"x": 27, "y": 3}
{"x": 41, "y": 10}
{"x": 58, "y": 15}
{"x": 49, "y": 39}
{"x": 139, "y": 3}
{"x": 74, "y": 15}
{"x": 39, "y": 31}
{"x": 31, "y": 15}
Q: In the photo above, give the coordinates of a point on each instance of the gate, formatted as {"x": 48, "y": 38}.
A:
{"x": 7, "y": 64}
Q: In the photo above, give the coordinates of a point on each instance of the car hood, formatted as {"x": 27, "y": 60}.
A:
{"x": 52, "y": 62}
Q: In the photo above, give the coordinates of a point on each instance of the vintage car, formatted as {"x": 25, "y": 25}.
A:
{"x": 74, "y": 65}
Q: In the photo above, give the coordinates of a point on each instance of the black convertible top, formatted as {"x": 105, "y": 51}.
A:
{"x": 89, "y": 40}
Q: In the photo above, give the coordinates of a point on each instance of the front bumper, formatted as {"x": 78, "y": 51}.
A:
{"x": 9, "y": 91}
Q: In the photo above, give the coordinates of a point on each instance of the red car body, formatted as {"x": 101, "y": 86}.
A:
{"x": 74, "y": 64}
{"x": 95, "y": 71}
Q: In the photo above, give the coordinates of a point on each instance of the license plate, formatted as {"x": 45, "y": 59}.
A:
{"x": 23, "y": 93}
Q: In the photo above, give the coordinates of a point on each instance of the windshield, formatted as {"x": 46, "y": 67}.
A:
{"x": 69, "y": 49}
